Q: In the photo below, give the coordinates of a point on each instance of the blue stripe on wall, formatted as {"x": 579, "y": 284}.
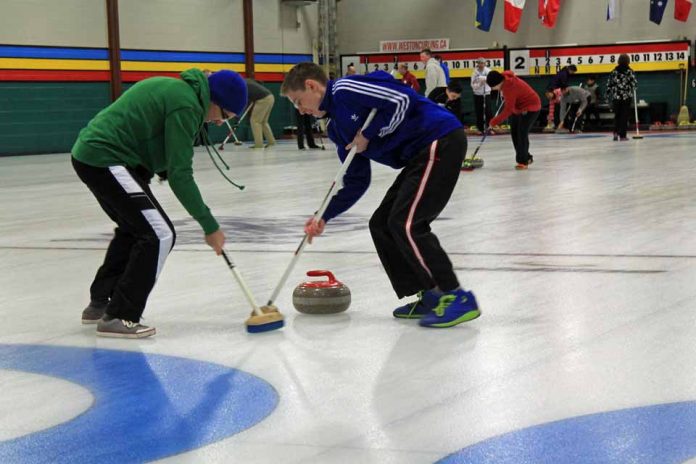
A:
{"x": 11, "y": 51}
{"x": 270, "y": 58}
{"x": 204, "y": 57}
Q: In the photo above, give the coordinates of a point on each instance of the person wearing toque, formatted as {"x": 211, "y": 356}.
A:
{"x": 149, "y": 129}
{"x": 522, "y": 106}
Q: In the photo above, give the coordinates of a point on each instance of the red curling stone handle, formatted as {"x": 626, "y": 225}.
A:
{"x": 320, "y": 273}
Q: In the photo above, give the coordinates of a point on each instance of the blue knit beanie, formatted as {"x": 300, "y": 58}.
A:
{"x": 228, "y": 90}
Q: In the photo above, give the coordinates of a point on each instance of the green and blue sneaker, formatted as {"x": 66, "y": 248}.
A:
{"x": 453, "y": 308}
{"x": 426, "y": 301}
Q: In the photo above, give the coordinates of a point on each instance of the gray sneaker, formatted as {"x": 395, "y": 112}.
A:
{"x": 120, "y": 328}
{"x": 93, "y": 312}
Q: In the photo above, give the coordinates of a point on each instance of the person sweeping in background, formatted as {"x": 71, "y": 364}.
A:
{"x": 424, "y": 141}
{"x": 522, "y": 106}
{"x": 573, "y": 98}
{"x": 149, "y": 129}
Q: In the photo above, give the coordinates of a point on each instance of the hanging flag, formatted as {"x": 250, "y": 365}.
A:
{"x": 657, "y": 10}
{"x": 484, "y": 14}
{"x": 682, "y": 8}
{"x": 612, "y": 10}
{"x": 513, "y": 14}
{"x": 548, "y": 12}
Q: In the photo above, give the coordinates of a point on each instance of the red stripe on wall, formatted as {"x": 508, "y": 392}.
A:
{"x": 269, "y": 77}
{"x": 52, "y": 76}
{"x": 410, "y": 57}
{"x": 135, "y": 76}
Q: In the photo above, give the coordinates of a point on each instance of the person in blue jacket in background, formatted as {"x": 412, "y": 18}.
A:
{"x": 427, "y": 143}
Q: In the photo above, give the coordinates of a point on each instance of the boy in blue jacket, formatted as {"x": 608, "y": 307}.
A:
{"x": 428, "y": 144}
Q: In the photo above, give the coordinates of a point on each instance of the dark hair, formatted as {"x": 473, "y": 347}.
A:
{"x": 454, "y": 86}
{"x": 562, "y": 87}
{"x": 438, "y": 57}
{"x": 573, "y": 68}
{"x": 494, "y": 78}
{"x": 591, "y": 77}
{"x": 427, "y": 51}
{"x": 296, "y": 77}
{"x": 624, "y": 60}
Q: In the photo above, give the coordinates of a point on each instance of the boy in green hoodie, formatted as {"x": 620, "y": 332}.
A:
{"x": 149, "y": 129}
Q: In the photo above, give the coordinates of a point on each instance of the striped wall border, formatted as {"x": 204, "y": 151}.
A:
{"x": 65, "y": 64}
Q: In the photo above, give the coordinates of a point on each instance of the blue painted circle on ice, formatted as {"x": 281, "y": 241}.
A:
{"x": 146, "y": 406}
{"x": 664, "y": 433}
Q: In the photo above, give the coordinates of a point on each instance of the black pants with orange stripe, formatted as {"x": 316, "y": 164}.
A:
{"x": 143, "y": 238}
{"x": 410, "y": 252}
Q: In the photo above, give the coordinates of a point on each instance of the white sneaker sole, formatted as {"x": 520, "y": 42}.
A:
{"x": 143, "y": 334}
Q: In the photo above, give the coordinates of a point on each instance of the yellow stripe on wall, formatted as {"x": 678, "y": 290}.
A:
{"x": 31, "y": 63}
{"x": 607, "y": 68}
{"x": 273, "y": 67}
{"x": 177, "y": 66}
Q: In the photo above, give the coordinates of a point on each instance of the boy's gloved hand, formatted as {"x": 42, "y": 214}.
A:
{"x": 314, "y": 228}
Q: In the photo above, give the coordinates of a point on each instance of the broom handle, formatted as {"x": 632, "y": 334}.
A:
{"x": 245, "y": 289}
{"x": 635, "y": 107}
{"x": 485, "y": 131}
{"x": 320, "y": 212}
{"x": 686, "y": 81}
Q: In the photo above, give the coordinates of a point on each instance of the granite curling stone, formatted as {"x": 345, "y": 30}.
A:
{"x": 321, "y": 296}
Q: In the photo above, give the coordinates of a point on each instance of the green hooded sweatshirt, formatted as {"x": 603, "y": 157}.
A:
{"x": 153, "y": 125}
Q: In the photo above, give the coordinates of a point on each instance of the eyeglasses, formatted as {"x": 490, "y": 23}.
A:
{"x": 295, "y": 103}
{"x": 225, "y": 115}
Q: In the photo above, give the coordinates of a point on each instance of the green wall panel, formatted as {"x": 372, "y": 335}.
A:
{"x": 46, "y": 117}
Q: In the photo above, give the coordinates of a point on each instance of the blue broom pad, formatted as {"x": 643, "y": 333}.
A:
{"x": 265, "y": 327}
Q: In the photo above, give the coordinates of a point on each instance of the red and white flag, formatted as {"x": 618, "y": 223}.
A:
{"x": 548, "y": 12}
{"x": 513, "y": 14}
{"x": 682, "y": 9}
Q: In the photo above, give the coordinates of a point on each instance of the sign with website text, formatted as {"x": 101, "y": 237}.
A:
{"x": 415, "y": 45}
{"x": 655, "y": 56}
{"x": 460, "y": 63}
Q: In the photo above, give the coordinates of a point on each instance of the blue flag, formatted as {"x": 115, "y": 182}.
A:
{"x": 484, "y": 14}
{"x": 657, "y": 10}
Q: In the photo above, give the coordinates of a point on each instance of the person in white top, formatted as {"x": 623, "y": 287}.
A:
{"x": 482, "y": 92}
{"x": 435, "y": 81}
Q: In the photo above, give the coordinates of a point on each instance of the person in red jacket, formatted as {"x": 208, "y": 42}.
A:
{"x": 408, "y": 78}
{"x": 522, "y": 106}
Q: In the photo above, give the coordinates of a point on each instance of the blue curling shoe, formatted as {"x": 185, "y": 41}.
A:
{"x": 453, "y": 308}
{"x": 427, "y": 300}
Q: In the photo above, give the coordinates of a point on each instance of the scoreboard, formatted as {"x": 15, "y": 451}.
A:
{"x": 657, "y": 56}
{"x": 461, "y": 63}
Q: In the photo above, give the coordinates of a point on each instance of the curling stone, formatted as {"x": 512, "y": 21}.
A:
{"x": 470, "y": 164}
{"x": 321, "y": 296}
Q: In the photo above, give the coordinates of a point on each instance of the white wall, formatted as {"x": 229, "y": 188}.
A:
{"x": 68, "y": 23}
{"x": 188, "y": 25}
{"x": 276, "y": 31}
{"x": 194, "y": 25}
{"x": 363, "y": 23}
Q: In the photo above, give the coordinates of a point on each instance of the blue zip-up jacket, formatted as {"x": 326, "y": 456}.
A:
{"x": 405, "y": 124}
